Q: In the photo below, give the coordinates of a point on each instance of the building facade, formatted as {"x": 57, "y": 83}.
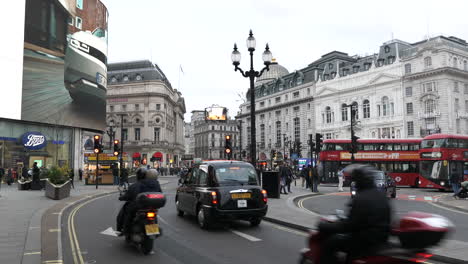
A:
{"x": 150, "y": 113}
{"x": 209, "y": 137}
{"x": 403, "y": 91}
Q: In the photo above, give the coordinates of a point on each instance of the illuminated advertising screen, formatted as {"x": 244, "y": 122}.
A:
{"x": 216, "y": 113}
{"x": 65, "y": 63}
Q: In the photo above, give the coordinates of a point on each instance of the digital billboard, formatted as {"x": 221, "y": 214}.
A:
{"x": 65, "y": 63}
{"x": 216, "y": 113}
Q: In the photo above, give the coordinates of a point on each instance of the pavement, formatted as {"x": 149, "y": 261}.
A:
{"x": 21, "y": 216}
{"x": 289, "y": 211}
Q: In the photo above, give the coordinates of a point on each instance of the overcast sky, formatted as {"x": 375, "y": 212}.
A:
{"x": 199, "y": 35}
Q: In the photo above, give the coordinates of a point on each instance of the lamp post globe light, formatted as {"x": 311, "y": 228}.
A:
{"x": 252, "y": 74}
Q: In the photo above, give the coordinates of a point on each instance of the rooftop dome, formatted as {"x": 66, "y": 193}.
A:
{"x": 274, "y": 73}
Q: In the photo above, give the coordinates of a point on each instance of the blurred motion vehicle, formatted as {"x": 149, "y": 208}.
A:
{"x": 222, "y": 190}
{"x": 86, "y": 67}
{"x": 441, "y": 155}
{"x": 416, "y": 232}
{"x": 383, "y": 182}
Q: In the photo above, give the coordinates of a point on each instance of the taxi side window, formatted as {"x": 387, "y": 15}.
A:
{"x": 192, "y": 177}
{"x": 202, "y": 175}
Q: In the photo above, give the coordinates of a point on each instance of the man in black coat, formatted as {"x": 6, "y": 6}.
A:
{"x": 368, "y": 223}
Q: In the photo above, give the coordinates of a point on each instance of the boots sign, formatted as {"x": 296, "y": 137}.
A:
{"x": 33, "y": 140}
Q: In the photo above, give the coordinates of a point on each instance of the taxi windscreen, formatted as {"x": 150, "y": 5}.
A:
{"x": 236, "y": 175}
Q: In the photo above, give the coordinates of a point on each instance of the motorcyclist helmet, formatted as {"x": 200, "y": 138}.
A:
{"x": 141, "y": 174}
{"x": 363, "y": 175}
{"x": 152, "y": 174}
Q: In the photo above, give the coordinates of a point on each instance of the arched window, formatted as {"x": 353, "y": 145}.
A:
{"x": 385, "y": 106}
{"x": 328, "y": 114}
{"x": 263, "y": 91}
{"x": 429, "y": 106}
{"x": 355, "y": 107}
{"x": 373, "y": 134}
{"x": 299, "y": 78}
{"x": 427, "y": 62}
{"x": 280, "y": 85}
{"x": 344, "y": 112}
{"x": 455, "y": 62}
{"x": 366, "y": 109}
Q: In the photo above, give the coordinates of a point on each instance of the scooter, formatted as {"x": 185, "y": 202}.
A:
{"x": 144, "y": 227}
{"x": 416, "y": 231}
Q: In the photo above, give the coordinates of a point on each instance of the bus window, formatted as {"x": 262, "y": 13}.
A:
{"x": 414, "y": 147}
{"x": 452, "y": 143}
{"x": 368, "y": 147}
{"x": 405, "y": 147}
{"x": 397, "y": 147}
{"x": 329, "y": 146}
{"x": 388, "y": 146}
{"x": 433, "y": 143}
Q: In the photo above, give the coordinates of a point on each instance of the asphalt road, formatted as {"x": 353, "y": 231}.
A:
{"x": 182, "y": 241}
{"x": 408, "y": 199}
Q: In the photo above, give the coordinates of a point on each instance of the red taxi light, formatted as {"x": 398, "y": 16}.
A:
{"x": 155, "y": 196}
{"x": 214, "y": 198}
{"x": 265, "y": 196}
{"x": 150, "y": 215}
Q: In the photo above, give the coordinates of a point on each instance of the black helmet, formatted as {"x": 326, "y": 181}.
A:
{"x": 363, "y": 175}
{"x": 141, "y": 174}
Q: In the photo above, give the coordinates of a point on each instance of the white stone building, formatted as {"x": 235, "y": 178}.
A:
{"x": 153, "y": 113}
{"x": 403, "y": 91}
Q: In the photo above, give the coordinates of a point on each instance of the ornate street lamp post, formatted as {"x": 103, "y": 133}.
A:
{"x": 251, "y": 74}
{"x": 111, "y": 133}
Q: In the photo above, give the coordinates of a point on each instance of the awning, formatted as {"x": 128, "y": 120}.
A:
{"x": 136, "y": 155}
{"x": 157, "y": 156}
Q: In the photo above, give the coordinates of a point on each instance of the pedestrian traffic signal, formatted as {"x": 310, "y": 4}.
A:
{"x": 354, "y": 144}
{"x": 116, "y": 147}
{"x": 318, "y": 141}
{"x": 97, "y": 144}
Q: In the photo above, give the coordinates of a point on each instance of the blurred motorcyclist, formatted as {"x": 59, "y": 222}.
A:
{"x": 367, "y": 225}
{"x": 146, "y": 182}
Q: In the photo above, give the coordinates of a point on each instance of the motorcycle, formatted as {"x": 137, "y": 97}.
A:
{"x": 144, "y": 227}
{"x": 416, "y": 231}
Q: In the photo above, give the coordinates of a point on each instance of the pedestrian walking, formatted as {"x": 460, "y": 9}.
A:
{"x": 71, "y": 175}
{"x": 24, "y": 173}
{"x": 340, "y": 179}
{"x": 80, "y": 174}
{"x": 115, "y": 173}
{"x": 315, "y": 179}
{"x": 9, "y": 176}
{"x": 303, "y": 176}
{"x": 463, "y": 188}
{"x": 455, "y": 181}
{"x": 283, "y": 176}
{"x": 2, "y": 173}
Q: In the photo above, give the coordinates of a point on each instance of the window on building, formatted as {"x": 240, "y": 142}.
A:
{"x": 328, "y": 135}
{"x": 455, "y": 87}
{"x": 391, "y": 59}
{"x": 366, "y": 109}
{"x": 465, "y": 89}
{"x": 457, "y": 104}
{"x": 308, "y": 106}
{"x": 380, "y": 62}
{"x": 387, "y": 49}
{"x": 344, "y": 112}
{"x": 262, "y": 135}
{"x": 287, "y": 110}
{"x": 125, "y": 133}
{"x": 277, "y": 99}
{"x": 78, "y": 22}
{"x": 308, "y": 89}
{"x": 328, "y": 114}
{"x": 124, "y": 107}
{"x": 278, "y": 133}
{"x": 325, "y": 77}
{"x": 385, "y": 106}
{"x": 125, "y": 78}
{"x": 466, "y": 106}
{"x": 407, "y": 68}
{"x": 285, "y": 97}
{"x": 111, "y": 108}
{"x": 427, "y": 62}
{"x": 297, "y": 129}
{"x": 157, "y": 132}
{"x": 79, "y": 4}
{"x": 278, "y": 113}
{"x": 355, "y": 107}
{"x": 137, "y": 107}
{"x": 410, "y": 128}
{"x": 137, "y": 120}
{"x": 355, "y": 69}
{"x": 262, "y": 104}
{"x": 296, "y": 109}
{"x": 378, "y": 110}
{"x": 409, "y": 91}
{"x": 70, "y": 21}
{"x": 409, "y": 108}
{"x": 212, "y": 127}
{"x": 344, "y": 72}
{"x": 309, "y": 123}
{"x": 429, "y": 87}
{"x": 137, "y": 133}
{"x": 367, "y": 66}
{"x": 296, "y": 95}
{"x": 429, "y": 106}
{"x": 262, "y": 116}
{"x": 455, "y": 62}
{"x": 333, "y": 75}
{"x": 158, "y": 107}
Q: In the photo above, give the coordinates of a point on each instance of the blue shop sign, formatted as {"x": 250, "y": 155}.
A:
{"x": 33, "y": 140}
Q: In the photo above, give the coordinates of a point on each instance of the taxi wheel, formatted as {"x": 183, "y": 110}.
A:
{"x": 203, "y": 218}
{"x": 179, "y": 212}
{"x": 255, "y": 221}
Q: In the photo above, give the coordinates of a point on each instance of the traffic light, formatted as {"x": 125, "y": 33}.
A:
{"x": 97, "y": 144}
{"x": 354, "y": 144}
{"x": 116, "y": 147}
{"x": 318, "y": 142}
{"x": 299, "y": 147}
{"x": 228, "y": 145}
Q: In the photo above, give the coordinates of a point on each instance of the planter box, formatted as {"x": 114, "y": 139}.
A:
{"x": 57, "y": 192}
{"x": 23, "y": 186}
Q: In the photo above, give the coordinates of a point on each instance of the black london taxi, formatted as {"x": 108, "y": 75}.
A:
{"x": 222, "y": 190}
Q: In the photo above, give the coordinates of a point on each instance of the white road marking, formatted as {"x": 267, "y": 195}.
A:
{"x": 427, "y": 198}
{"x": 109, "y": 231}
{"x": 411, "y": 197}
{"x": 448, "y": 209}
{"x": 248, "y": 237}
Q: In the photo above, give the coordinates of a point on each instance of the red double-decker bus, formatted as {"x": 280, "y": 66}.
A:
{"x": 398, "y": 157}
{"x": 443, "y": 155}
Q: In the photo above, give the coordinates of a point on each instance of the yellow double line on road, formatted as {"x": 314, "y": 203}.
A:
{"x": 75, "y": 245}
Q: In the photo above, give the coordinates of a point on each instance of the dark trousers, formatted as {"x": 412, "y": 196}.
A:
{"x": 455, "y": 188}
{"x": 334, "y": 244}
{"x": 124, "y": 218}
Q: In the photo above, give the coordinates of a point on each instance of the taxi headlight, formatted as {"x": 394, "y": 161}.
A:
{"x": 442, "y": 183}
{"x": 353, "y": 192}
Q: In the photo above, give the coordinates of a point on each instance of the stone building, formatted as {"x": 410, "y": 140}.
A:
{"x": 153, "y": 113}
{"x": 403, "y": 91}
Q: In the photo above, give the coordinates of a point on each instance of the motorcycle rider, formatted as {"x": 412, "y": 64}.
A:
{"x": 146, "y": 182}
{"x": 367, "y": 225}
